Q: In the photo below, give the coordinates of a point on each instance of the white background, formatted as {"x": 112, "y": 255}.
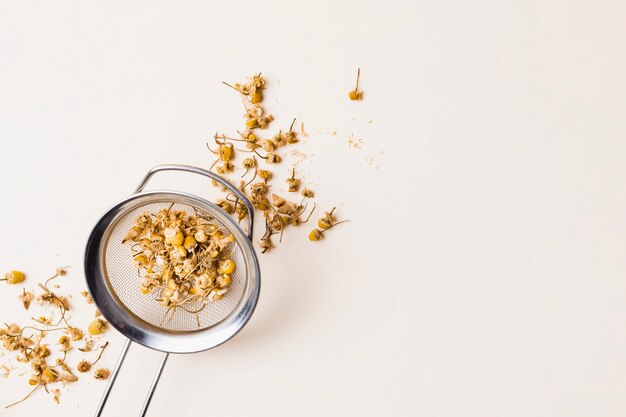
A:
{"x": 482, "y": 272}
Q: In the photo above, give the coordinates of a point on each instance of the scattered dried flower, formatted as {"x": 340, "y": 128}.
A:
{"x": 101, "y": 374}
{"x": 14, "y": 277}
{"x": 293, "y": 182}
{"x": 98, "y": 326}
{"x": 356, "y": 94}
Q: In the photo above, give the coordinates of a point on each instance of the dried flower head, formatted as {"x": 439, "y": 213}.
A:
{"x": 293, "y": 182}
{"x": 98, "y": 326}
{"x": 324, "y": 223}
{"x": 249, "y": 163}
{"x": 291, "y": 136}
{"x": 101, "y": 374}
{"x": 272, "y": 158}
{"x": 265, "y": 175}
{"x": 14, "y": 277}
{"x": 356, "y": 94}
{"x": 83, "y": 366}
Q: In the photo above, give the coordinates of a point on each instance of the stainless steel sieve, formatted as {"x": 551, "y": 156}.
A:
{"x": 113, "y": 281}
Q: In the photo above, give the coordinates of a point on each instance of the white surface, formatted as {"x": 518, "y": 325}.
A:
{"x": 482, "y": 273}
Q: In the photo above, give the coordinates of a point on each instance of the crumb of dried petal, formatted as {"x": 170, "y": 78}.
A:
{"x": 87, "y": 297}
{"x": 89, "y": 345}
{"x": 57, "y": 393}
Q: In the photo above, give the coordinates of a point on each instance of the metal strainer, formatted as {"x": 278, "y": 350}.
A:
{"x": 114, "y": 284}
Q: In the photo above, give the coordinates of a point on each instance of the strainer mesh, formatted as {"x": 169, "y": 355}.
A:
{"x": 124, "y": 279}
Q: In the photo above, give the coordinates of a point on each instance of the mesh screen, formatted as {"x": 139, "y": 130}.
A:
{"x": 124, "y": 279}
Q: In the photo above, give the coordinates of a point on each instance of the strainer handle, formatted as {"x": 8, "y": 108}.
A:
{"x": 200, "y": 171}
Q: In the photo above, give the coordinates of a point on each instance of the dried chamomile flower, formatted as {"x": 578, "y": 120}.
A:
{"x": 98, "y": 326}
{"x": 14, "y": 277}
{"x": 325, "y": 223}
{"x": 64, "y": 344}
{"x": 249, "y": 163}
{"x": 293, "y": 182}
{"x": 272, "y": 158}
{"x": 291, "y": 136}
{"x": 268, "y": 145}
{"x": 249, "y": 136}
{"x": 226, "y": 152}
{"x": 256, "y": 117}
{"x": 252, "y": 90}
{"x": 85, "y": 366}
{"x": 242, "y": 212}
{"x": 356, "y": 94}
{"x": 265, "y": 174}
{"x": 258, "y": 190}
{"x": 101, "y": 374}
{"x": 307, "y": 193}
{"x": 226, "y": 206}
{"x": 26, "y": 298}
{"x": 279, "y": 139}
{"x": 315, "y": 235}
{"x": 328, "y": 219}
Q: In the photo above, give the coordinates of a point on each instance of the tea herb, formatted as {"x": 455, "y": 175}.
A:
{"x": 14, "y": 277}
{"x": 324, "y": 223}
{"x": 28, "y": 341}
{"x": 96, "y": 327}
{"x": 182, "y": 258}
{"x": 356, "y": 94}
{"x": 85, "y": 366}
{"x": 277, "y": 212}
{"x": 293, "y": 182}
{"x": 101, "y": 374}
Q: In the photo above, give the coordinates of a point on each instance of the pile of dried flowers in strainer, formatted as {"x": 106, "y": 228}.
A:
{"x": 182, "y": 258}
{"x": 32, "y": 346}
{"x": 278, "y": 212}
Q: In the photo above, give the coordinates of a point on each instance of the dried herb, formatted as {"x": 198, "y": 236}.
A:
{"x": 182, "y": 258}
{"x": 356, "y": 94}
{"x": 28, "y": 341}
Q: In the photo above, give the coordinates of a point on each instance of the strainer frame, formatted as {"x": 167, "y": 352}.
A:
{"x": 132, "y": 326}
{"x": 149, "y": 335}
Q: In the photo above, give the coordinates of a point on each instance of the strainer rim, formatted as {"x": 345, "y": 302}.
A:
{"x": 145, "y": 333}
